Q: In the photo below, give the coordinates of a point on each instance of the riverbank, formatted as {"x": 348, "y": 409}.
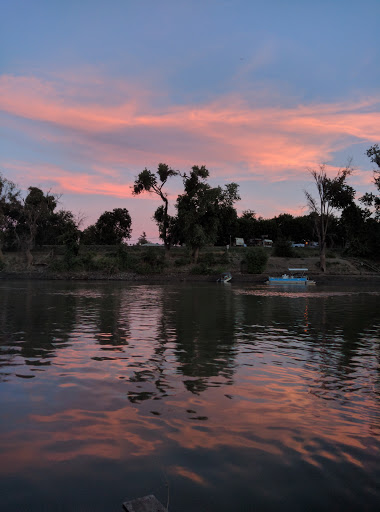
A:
{"x": 176, "y": 267}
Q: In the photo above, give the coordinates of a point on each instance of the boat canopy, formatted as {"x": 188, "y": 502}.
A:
{"x": 298, "y": 269}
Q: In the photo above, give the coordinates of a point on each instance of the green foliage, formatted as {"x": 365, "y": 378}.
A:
{"x": 2, "y": 265}
{"x": 151, "y": 262}
{"x": 208, "y": 259}
{"x": 201, "y": 269}
{"x": 183, "y": 260}
{"x": 10, "y": 206}
{"x": 33, "y": 217}
{"x": 283, "y": 248}
{"x": 126, "y": 260}
{"x": 59, "y": 228}
{"x": 256, "y": 259}
{"x": 106, "y": 264}
{"x": 333, "y": 194}
{"x": 114, "y": 227}
{"x": 205, "y": 215}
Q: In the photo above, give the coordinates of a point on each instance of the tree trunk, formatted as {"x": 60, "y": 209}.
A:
{"x": 322, "y": 258}
{"x": 196, "y": 254}
{"x": 28, "y": 257}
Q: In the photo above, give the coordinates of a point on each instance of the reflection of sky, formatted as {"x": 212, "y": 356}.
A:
{"x": 299, "y": 404}
{"x": 90, "y": 95}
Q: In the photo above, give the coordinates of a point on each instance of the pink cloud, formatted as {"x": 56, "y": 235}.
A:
{"x": 114, "y": 129}
{"x": 77, "y": 183}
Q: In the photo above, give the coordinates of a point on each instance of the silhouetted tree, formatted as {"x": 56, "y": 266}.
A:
{"x": 112, "y": 228}
{"x": 10, "y": 203}
{"x": 142, "y": 239}
{"x": 201, "y": 208}
{"x": 369, "y": 198}
{"x": 147, "y": 181}
{"x": 35, "y": 210}
{"x": 333, "y": 194}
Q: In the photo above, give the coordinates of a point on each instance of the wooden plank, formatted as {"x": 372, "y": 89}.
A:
{"x": 145, "y": 504}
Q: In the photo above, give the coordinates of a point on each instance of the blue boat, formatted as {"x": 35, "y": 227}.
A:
{"x": 295, "y": 276}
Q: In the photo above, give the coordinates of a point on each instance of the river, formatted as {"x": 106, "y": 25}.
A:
{"x": 212, "y": 397}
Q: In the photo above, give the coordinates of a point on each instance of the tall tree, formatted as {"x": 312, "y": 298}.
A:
{"x": 9, "y": 205}
{"x": 247, "y": 225}
{"x": 227, "y": 214}
{"x": 36, "y": 208}
{"x": 142, "y": 240}
{"x": 371, "y": 199}
{"x": 147, "y": 181}
{"x": 201, "y": 208}
{"x": 333, "y": 194}
{"x": 112, "y": 228}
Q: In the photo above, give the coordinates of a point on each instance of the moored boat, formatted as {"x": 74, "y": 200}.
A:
{"x": 295, "y": 276}
{"x": 225, "y": 277}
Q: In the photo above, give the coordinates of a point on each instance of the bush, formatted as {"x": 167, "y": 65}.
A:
{"x": 224, "y": 258}
{"x": 126, "y": 260}
{"x": 256, "y": 259}
{"x": 2, "y": 265}
{"x": 151, "y": 263}
{"x": 105, "y": 264}
{"x": 184, "y": 260}
{"x": 283, "y": 249}
{"x": 201, "y": 269}
{"x": 208, "y": 259}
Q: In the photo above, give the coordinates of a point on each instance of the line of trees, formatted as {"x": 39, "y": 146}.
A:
{"x": 205, "y": 215}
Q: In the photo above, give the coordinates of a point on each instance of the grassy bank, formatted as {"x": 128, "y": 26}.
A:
{"x": 135, "y": 262}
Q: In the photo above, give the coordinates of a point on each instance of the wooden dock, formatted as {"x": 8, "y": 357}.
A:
{"x": 145, "y": 504}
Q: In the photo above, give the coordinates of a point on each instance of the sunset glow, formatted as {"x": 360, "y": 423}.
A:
{"x": 84, "y": 125}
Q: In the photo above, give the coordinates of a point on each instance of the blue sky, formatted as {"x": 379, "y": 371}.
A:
{"x": 91, "y": 92}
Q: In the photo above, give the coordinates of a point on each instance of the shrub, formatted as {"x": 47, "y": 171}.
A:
{"x": 184, "y": 260}
{"x": 2, "y": 265}
{"x": 201, "y": 269}
{"x": 151, "y": 263}
{"x": 126, "y": 260}
{"x": 208, "y": 259}
{"x": 58, "y": 265}
{"x": 105, "y": 264}
{"x": 283, "y": 249}
{"x": 256, "y": 259}
{"x": 224, "y": 258}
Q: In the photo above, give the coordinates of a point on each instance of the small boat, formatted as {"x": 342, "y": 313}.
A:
{"x": 224, "y": 278}
{"x": 295, "y": 276}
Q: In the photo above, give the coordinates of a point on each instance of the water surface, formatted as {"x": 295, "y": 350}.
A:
{"x": 216, "y": 397}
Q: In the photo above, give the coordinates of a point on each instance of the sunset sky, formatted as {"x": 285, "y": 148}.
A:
{"x": 92, "y": 92}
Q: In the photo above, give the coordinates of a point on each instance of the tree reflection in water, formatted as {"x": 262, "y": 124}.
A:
{"x": 216, "y": 384}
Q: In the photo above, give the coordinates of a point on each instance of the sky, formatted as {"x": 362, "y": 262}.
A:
{"x": 92, "y": 92}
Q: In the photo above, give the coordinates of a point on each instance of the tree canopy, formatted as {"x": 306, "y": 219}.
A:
{"x": 112, "y": 228}
{"x": 202, "y": 211}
